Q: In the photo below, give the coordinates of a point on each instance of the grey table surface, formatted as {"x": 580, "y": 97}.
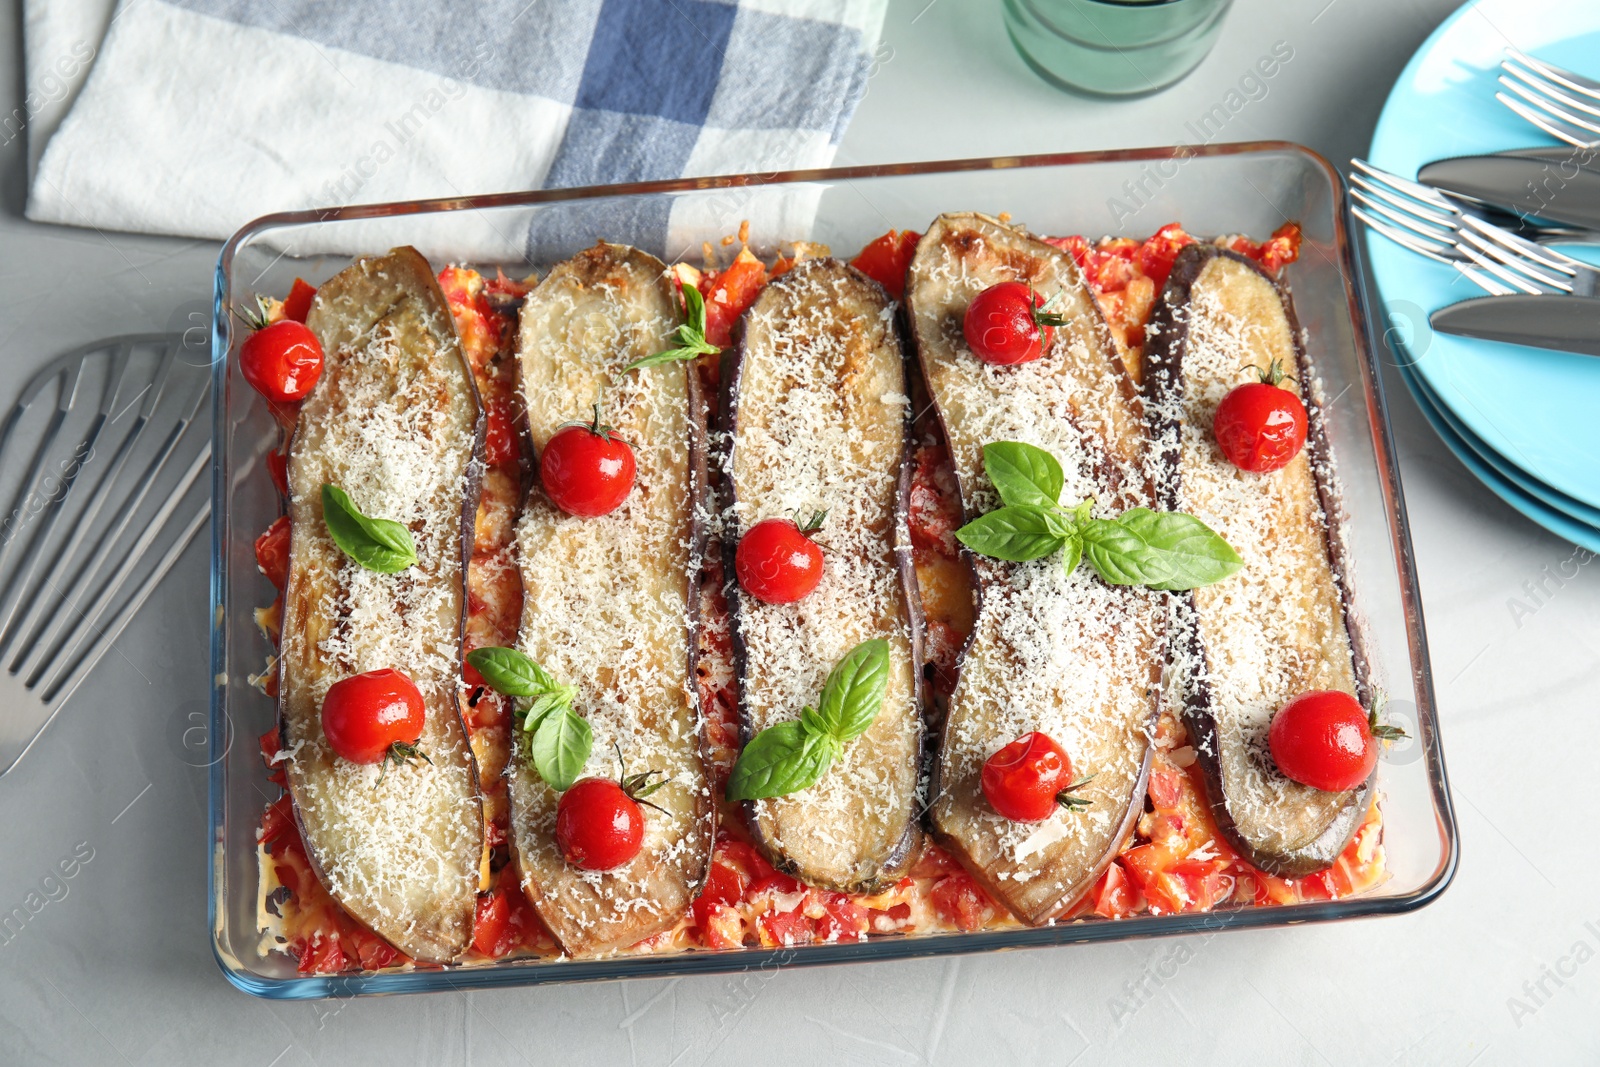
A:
{"x": 119, "y": 969}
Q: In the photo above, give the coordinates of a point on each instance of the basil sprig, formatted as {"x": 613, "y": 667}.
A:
{"x": 794, "y": 755}
{"x": 691, "y": 335}
{"x": 381, "y": 545}
{"x": 555, "y": 738}
{"x": 1159, "y": 549}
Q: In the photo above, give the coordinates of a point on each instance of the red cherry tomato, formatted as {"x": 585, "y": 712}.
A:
{"x": 1260, "y": 426}
{"x": 1004, "y": 326}
{"x": 1323, "y": 739}
{"x": 272, "y": 552}
{"x": 587, "y": 473}
{"x": 1025, "y": 779}
{"x": 282, "y": 361}
{"x": 598, "y": 825}
{"x": 364, "y": 715}
{"x": 776, "y": 562}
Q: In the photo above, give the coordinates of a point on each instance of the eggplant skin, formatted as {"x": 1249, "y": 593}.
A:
{"x": 1067, "y": 655}
{"x": 611, "y": 603}
{"x": 395, "y": 421}
{"x": 816, "y": 416}
{"x": 1288, "y": 517}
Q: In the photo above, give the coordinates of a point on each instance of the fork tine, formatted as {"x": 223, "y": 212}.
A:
{"x": 1443, "y": 238}
{"x": 1490, "y": 256}
{"x": 1527, "y": 114}
{"x": 1545, "y": 257}
{"x": 1576, "y": 82}
{"x": 1549, "y": 90}
{"x": 1401, "y": 237}
{"x": 1549, "y": 107}
{"x": 1406, "y": 204}
{"x": 1517, "y": 281}
{"x": 1486, "y": 282}
{"x": 1416, "y": 190}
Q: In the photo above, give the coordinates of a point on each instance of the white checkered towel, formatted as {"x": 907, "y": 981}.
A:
{"x": 195, "y": 116}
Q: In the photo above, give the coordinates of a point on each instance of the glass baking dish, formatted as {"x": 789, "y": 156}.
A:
{"x": 1242, "y": 188}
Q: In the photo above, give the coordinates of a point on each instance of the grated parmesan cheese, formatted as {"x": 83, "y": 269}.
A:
{"x": 392, "y": 422}
{"x": 1069, "y": 656}
{"x": 820, "y": 425}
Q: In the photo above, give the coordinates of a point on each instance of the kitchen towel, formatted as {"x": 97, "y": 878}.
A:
{"x": 195, "y": 116}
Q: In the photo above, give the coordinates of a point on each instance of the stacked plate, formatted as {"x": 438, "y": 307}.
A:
{"x": 1526, "y": 421}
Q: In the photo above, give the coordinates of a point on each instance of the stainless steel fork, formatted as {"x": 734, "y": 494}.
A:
{"x": 1428, "y": 222}
{"x": 1433, "y": 214}
{"x": 1563, "y": 104}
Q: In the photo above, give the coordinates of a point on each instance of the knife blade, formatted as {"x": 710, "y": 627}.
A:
{"x": 1563, "y": 323}
{"x": 1561, "y": 187}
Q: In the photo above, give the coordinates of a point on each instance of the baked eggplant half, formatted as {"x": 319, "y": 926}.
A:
{"x": 1064, "y": 654}
{"x": 611, "y": 603}
{"x": 394, "y": 422}
{"x": 1242, "y": 650}
{"x": 816, "y": 413}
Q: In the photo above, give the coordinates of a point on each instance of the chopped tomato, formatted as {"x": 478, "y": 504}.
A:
{"x": 491, "y": 924}
{"x": 960, "y": 900}
{"x": 729, "y": 292}
{"x": 504, "y": 921}
{"x": 754, "y": 866}
{"x": 723, "y": 887}
{"x": 842, "y": 920}
{"x": 322, "y": 955}
{"x": 774, "y": 883}
{"x": 1276, "y": 252}
{"x": 933, "y": 513}
{"x": 278, "y": 829}
{"x": 500, "y": 434}
{"x": 272, "y": 552}
{"x": 885, "y": 260}
{"x": 1155, "y": 256}
{"x": 1113, "y": 895}
{"x": 722, "y": 927}
{"x": 779, "y": 928}
{"x": 278, "y": 470}
{"x": 298, "y": 303}
{"x": 1166, "y": 788}
{"x": 504, "y": 286}
{"x": 269, "y": 750}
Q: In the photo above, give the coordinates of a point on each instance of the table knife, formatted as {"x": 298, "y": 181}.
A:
{"x": 1563, "y": 323}
{"x": 1558, "y": 184}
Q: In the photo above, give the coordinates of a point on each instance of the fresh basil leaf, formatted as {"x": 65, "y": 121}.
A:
{"x": 1072, "y": 552}
{"x": 560, "y": 748}
{"x": 853, "y": 693}
{"x": 1023, "y": 474}
{"x": 694, "y": 309}
{"x": 691, "y": 335}
{"x": 781, "y": 759}
{"x": 1121, "y": 556}
{"x": 1192, "y": 551}
{"x": 1018, "y": 533}
{"x": 380, "y": 545}
{"x": 511, "y": 672}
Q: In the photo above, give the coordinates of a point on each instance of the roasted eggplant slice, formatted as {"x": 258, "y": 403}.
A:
{"x": 394, "y": 422}
{"x": 1064, "y": 654}
{"x": 610, "y": 604}
{"x": 1242, "y": 650}
{"x": 816, "y": 412}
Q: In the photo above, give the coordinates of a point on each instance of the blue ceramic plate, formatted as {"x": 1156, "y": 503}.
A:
{"x": 1535, "y": 408}
{"x": 1557, "y": 522}
{"x": 1577, "y": 510}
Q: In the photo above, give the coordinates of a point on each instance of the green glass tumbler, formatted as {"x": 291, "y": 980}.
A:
{"x": 1114, "y": 47}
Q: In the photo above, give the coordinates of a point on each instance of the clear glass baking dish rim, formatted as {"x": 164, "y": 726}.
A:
{"x": 924, "y": 945}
